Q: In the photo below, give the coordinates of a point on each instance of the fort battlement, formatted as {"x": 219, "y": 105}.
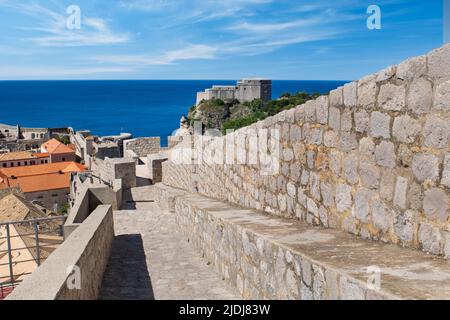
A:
{"x": 245, "y": 90}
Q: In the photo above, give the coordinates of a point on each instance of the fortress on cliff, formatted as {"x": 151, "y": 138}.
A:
{"x": 245, "y": 90}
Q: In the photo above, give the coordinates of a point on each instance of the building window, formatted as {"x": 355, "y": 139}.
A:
{"x": 18, "y": 164}
{"x": 5, "y": 165}
{"x": 63, "y": 159}
{"x": 54, "y": 195}
{"x": 33, "y": 136}
{"x": 40, "y": 197}
{"x": 26, "y": 163}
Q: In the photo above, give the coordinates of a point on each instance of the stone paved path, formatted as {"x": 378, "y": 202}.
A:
{"x": 151, "y": 260}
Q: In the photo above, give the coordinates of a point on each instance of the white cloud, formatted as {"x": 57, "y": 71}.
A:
{"x": 40, "y": 72}
{"x": 53, "y": 27}
{"x": 191, "y": 52}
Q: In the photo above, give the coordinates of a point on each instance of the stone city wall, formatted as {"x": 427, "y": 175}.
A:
{"x": 143, "y": 146}
{"x": 110, "y": 170}
{"x": 372, "y": 158}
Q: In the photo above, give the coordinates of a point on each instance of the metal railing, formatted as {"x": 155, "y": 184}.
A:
{"x": 26, "y": 242}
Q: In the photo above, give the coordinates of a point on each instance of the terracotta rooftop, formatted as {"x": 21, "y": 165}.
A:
{"x": 54, "y": 146}
{"x": 21, "y": 155}
{"x": 15, "y": 208}
{"x": 43, "y": 177}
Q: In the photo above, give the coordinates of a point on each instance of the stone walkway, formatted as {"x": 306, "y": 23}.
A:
{"x": 151, "y": 260}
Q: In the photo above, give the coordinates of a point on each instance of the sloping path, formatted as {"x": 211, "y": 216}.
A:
{"x": 150, "y": 259}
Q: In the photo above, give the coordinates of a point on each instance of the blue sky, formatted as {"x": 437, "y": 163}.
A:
{"x": 212, "y": 39}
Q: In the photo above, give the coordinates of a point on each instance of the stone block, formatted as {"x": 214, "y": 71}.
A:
{"x": 436, "y": 204}
{"x": 331, "y": 139}
{"x": 436, "y": 132}
{"x": 335, "y": 162}
{"x": 413, "y": 68}
{"x": 442, "y": 97}
{"x": 420, "y": 96}
{"x": 405, "y": 129}
{"x": 337, "y": 98}
{"x": 380, "y": 124}
{"x": 348, "y": 141}
{"x": 362, "y": 204}
{"x": 310, "y": 159}
{"x": 385, "y": 154}
{"x": 439, "y": 62}
{"x": 313, "y": 135}
{"x": 300, "y": 114}
{"x": 430, "y": 239}
{"x": 405, "y": 225}
{"x": 386, "y": 74}
{"x": 306, "y": 272}
{"x": 392, "y": 97}
{"x": 367, "y": 149}
{"x": 343, "y": 197}
{"x": 310, "y": 111}
{"x": 351, "y": 168}
{"x": 322, "y": 109}
{"x": 367, "y": 91}
{"x": 370, "y": 175}
{"x": 362, "y": 121}
{"x": 314, "y": 185}
{"x": 415, "y": 196}
{"x": 346, "y": 121}
{"x": 295, "y": 133}
{"x": 405, "y": 155}
{"x": 401, "y": 188}
{"x": 295, "y": 171}
{"x": 290, "y": 116}
{"x": 291, "y": 190}
{"x": 445, "y": 181}
{"x": 381, "y": 216}
{"x": 288, "y": 154}
{"x": 335, "y": 119}
{"x": 387, "y": 184}
{"x": 425, "y": 167}
{"x": 350, "y": 94}
{"x": 327, "y": 194}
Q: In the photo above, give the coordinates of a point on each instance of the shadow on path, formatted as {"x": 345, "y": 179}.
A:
{"x": 126, "y": 276}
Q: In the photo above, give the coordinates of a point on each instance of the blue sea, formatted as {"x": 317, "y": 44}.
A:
{"x": 143, "y": 108}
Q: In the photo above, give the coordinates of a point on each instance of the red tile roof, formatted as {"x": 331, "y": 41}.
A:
{"x": 21, "y": 155}
{"x": 44, "y": 177}
{"x": 54, "y": 146}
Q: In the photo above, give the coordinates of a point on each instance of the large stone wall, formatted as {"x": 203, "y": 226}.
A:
{"x": 113, "y": 169}
{"x": 372, "y": 158}
{"x": 143, "y": 146}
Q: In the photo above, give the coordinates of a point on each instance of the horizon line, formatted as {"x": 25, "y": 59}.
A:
{"x": 67, "y": 80}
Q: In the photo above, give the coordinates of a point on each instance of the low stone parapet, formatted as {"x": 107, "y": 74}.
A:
{"x": 267, "y": 257}
{"x": 74, "y": 271}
